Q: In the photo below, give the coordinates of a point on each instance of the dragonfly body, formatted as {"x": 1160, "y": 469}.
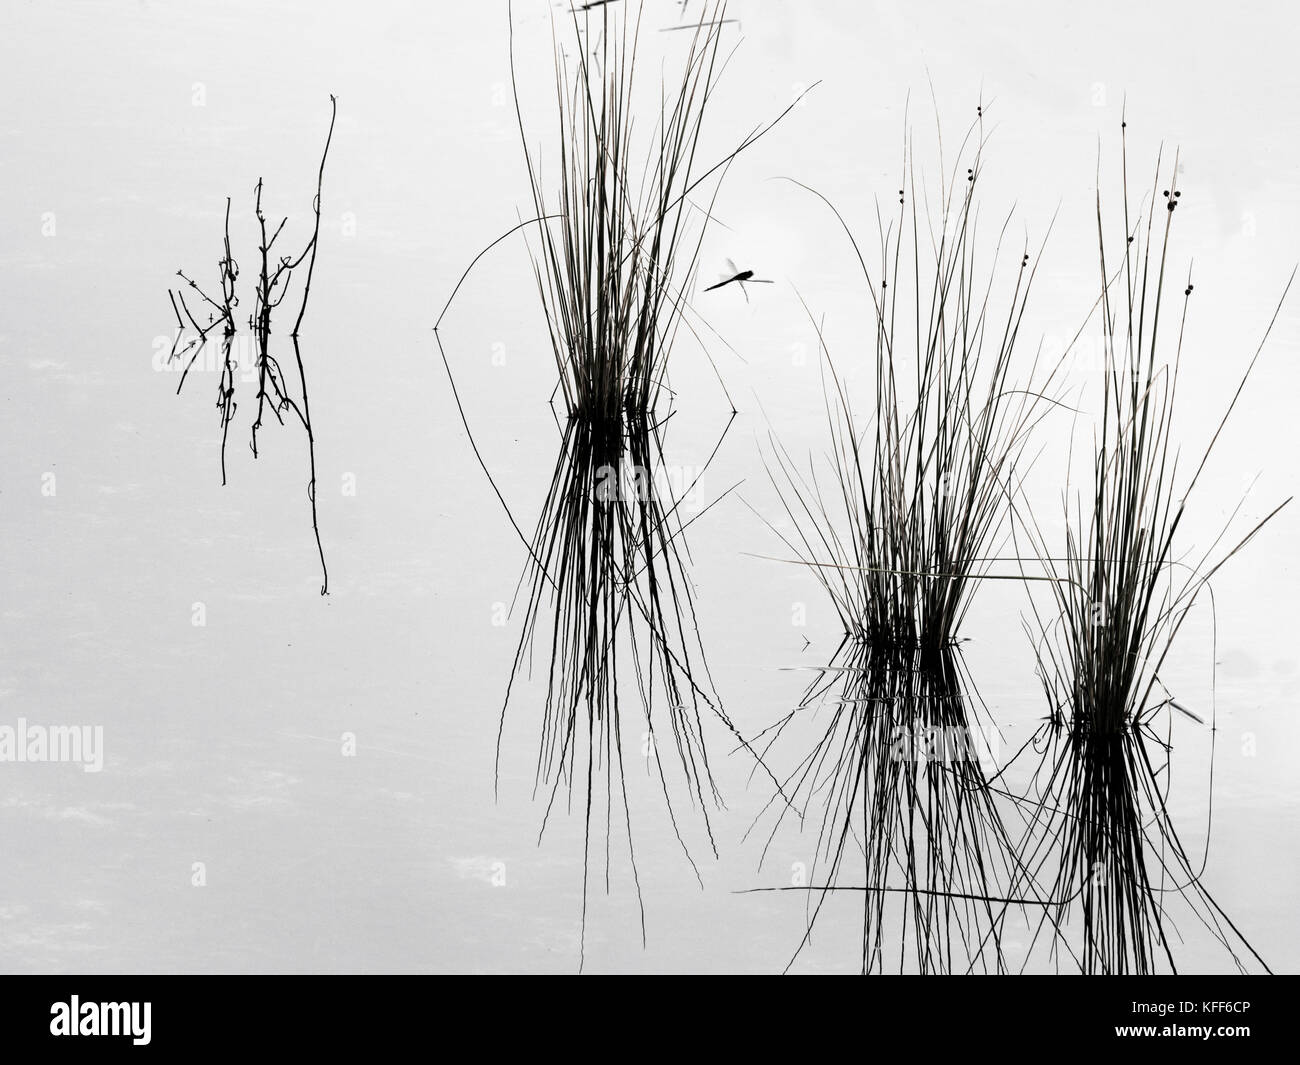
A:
{"x": 740, "y": 277}
{"x": 744, "y": 275}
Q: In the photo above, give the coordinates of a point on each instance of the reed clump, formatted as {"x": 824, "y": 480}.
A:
{"x": 1123, "y": 584}
{"x": 619, "y": 220}
{"x": 898, "y": 524}
{"x": 897, "y": 780}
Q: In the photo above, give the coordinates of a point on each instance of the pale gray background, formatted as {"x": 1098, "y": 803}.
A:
{"x": 223, "y": 741}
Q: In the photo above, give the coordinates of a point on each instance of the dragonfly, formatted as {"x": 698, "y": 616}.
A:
{"x": 740, "y": 277}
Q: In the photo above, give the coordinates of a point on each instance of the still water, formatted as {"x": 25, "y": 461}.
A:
{"x": 123, "y": 128}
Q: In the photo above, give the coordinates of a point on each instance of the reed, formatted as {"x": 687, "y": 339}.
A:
{"x": 1122, "y": 586}
{"x": 898, "y": 778}
{"x": 221, "y": 313}
{"x": 898, "y": 525}
{"x": 277, "y": 392}
{"x": 619, "y": 220}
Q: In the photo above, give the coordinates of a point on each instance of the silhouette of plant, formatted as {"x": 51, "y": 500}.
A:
{"x": 276, "y": 392}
